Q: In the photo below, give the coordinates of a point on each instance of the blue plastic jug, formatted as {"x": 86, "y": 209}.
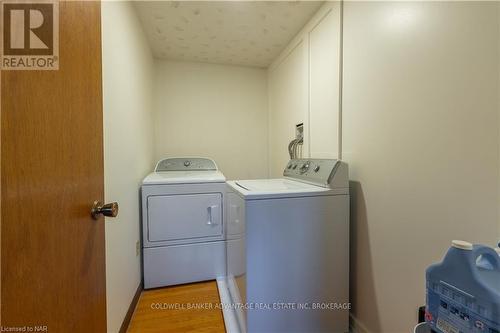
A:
{"x": 463, "y": 291}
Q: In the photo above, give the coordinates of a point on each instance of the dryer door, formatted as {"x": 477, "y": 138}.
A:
{"x": 185, "y": 216}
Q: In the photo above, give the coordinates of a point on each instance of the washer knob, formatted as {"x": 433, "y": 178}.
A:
{"x": 304, "y": 167}
{"x": 316, "y": 169}
{"x": 187, "y": 163}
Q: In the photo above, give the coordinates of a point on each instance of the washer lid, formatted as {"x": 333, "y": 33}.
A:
{"x": 184, "y": 177}
{"x": 275, "y": 185}
{"x": 278, "y": 188}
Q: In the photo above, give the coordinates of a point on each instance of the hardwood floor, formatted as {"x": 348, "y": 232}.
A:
{"x": 191, "y": 307}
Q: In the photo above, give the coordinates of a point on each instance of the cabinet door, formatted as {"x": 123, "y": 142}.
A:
{"x": 187, "y": 216}
{"x": 288, "y": 101}
{"x": 324, "y": 62}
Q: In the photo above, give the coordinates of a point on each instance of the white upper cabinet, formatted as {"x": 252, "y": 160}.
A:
{"x": 288, "y": 104}
{"x": 324, "y": 86}
{"x": 304, "y": 87}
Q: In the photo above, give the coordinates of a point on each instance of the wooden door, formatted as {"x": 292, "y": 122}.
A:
{"x": 52, "y": 251}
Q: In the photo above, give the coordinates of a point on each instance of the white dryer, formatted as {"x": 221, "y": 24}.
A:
{"x": 288, "y": 250}
{"x": 183, "y": 236}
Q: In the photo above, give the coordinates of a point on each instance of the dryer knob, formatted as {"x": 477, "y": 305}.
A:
{"x": 187, "y": 163}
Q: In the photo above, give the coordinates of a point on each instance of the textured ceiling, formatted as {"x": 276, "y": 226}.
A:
{"x": 248, "y": 33}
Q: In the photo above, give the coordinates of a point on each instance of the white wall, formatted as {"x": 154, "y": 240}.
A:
{"x": 304, "y": 88}
{"x": 420, "y": 134}
{"x": 128, "y": 148}
{"x": 215, "y": 111}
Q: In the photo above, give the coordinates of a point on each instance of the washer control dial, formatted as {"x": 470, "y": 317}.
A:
{"x": 305, "y": 167}
{"x": 187, "y": 163}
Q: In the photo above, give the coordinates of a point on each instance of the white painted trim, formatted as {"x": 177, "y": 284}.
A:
{"x": 318, "y": 22}
{"x": 289, "y": 50}
{"x": 356, "y": 326}
{"x": 341, "y": 79}
{"x": 269, "y": 102}
{"x": 306, "y": 141}
{"x": 230, "y": 320}
{"x": 303, "y": 33}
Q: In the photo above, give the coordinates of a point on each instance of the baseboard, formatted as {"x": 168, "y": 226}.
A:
{"x": 356, "y": 326}
{"x": 131, "y": 309}
{"x": 230, "y": 318}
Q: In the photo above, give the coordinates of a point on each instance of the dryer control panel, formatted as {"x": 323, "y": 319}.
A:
{"x": 186, "y": 164}
{"x": 314, "y": 171}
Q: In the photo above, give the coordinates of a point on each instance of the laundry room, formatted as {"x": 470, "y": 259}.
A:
{"x": 238, "y": 82}
{"x": 229, "y": 81}
{"x": 253, "y": 166}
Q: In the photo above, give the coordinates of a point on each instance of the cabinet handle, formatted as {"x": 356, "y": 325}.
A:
{"x": 210, "y": 220}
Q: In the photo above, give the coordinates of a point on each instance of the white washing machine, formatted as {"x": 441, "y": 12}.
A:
{"x": 183, "y": 236}
{"x": 288, "y": 250}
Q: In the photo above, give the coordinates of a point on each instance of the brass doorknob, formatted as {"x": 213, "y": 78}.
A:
{"x": 110, "y": 209}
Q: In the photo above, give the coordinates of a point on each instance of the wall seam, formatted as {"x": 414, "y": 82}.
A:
{"x": 341, "y": 78}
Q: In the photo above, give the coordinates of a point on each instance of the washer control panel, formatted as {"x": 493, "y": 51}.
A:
{"x": 186, "y": 164}
{"x": 315, "y": 171}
